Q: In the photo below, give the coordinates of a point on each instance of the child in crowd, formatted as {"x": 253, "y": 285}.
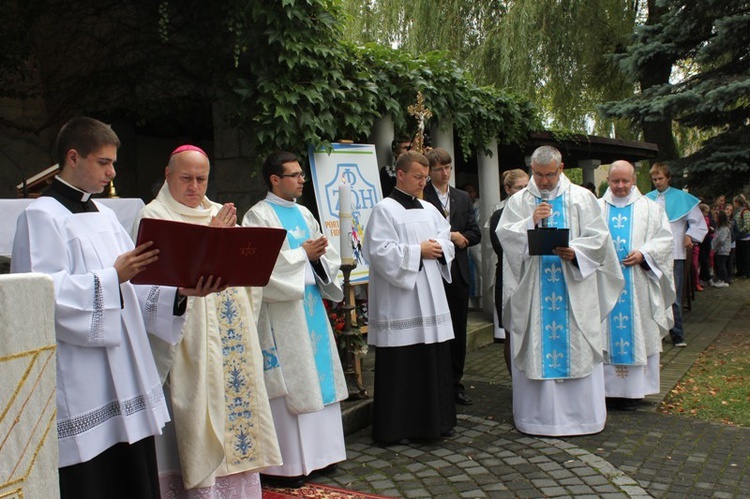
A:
{"x": 722, "y": 244}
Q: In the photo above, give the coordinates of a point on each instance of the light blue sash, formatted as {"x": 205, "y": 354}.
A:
{"x": 621, "y": 317}
{"x": 554, "y": 303}
{"x": 297, "y": 233}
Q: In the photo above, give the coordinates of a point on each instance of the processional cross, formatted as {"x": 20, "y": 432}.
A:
{"x": 422, "y": 114}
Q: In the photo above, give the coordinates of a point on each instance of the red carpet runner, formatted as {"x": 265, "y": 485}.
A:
{"x": 315, "y": 491}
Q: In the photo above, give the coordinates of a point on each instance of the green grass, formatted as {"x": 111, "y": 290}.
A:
{"x": 717, "y": 387}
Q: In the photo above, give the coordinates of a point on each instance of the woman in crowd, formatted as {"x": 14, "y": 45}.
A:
{"x": 513, "y": 181}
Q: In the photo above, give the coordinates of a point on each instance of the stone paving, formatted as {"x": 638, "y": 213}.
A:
{"x": 640, "y": 453}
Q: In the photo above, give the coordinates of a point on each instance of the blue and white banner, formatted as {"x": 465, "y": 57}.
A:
{"x": 357, "y": 164}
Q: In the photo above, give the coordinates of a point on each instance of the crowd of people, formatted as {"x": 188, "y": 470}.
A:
{"x": 724, "y": 254}
{"x": 203, "y": 392}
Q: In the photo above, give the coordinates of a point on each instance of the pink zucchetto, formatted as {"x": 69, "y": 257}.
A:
{"x": 188, "y": 147}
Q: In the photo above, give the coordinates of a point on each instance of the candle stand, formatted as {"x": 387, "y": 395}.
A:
{"x": 352, "y": 342}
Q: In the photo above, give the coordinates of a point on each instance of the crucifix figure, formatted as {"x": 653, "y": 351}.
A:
{"x": 422, "y": 114}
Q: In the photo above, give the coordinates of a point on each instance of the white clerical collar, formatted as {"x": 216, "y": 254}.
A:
{"x": 273, "y": 198}
{"x": 84, "y": 195}
{"x": 406, "y": 194}
{"x": 553, "y": 192}
{"x": 623, "y": 201}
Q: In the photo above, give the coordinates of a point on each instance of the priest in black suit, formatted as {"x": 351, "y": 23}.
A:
{"x": 455, "y": 205}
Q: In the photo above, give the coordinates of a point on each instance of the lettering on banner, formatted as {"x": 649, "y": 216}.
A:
{"x": 364, "y": 194}
{"x": 333, "y": 227}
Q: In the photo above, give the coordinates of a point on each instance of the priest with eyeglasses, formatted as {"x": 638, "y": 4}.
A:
{"x": 409, "y": 250}
{"x": 554, "y": 316}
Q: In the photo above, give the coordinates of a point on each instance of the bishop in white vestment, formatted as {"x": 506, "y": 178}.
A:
{"x": 555, "y": 314}
{"x": 303, "y": 372}
{"x": 409, "y": 250}
{"x": 223, "y": 431}
{"x": 643, "y": 315}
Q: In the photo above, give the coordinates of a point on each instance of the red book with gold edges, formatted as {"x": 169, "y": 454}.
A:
{"x": 241, "y": 256}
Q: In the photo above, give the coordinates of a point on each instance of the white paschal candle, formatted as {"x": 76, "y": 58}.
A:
{"x": 345, "y": 222}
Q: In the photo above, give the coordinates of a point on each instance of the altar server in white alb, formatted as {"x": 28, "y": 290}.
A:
{"x": 303, "y": 372}
{"x": 110, "y": 402}
{"x": 223, "y": 432}
{"x": 555, "y": 314}
{"x": 643, "y": 315}
{"x": 408, "y": 247}
{"x": 688, "y": 228}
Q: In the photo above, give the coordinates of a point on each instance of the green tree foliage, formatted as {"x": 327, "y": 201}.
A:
{"x": 292, "y": 81}
{"x": 555, "y": 52}
{"x": 710, "y": 40}
{"x": 326, "y": 89}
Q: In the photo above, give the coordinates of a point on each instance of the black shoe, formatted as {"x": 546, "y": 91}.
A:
{"x": 622, "y": 404}
{"x": 292, "y": 482}
{"x": 403, "y": 441}
{"x": 448, "y": 433}
{"x": 463, "y": 399}
{"x": 331, "y": 468}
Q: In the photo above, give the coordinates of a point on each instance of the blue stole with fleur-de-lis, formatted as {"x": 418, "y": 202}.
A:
{"x": 621, "y": 317}
{"x": 297, "y": 233}
{"x": 554, "y": 304}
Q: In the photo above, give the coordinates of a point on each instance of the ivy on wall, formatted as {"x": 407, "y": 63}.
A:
{"x": 280, "y": 66}
{"x": 300, "y": 84}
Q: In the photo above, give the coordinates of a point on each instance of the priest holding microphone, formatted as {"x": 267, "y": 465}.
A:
{"x": 554, "y": 317}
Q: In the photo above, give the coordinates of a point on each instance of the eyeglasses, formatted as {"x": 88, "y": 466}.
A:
{"x": 420, "y": 178}
{"x": 440, "y": 169}
{"x": 546, "y": 176}
{"x": 293, "y": 175}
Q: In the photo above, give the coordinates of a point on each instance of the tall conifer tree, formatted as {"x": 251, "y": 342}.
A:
{"x": 701, "y": 53}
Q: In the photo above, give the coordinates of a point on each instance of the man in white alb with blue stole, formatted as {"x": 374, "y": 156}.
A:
{"x": 303, "y": 373}
{"x": 643, "y": 315}
{"x": 554, "y": 316}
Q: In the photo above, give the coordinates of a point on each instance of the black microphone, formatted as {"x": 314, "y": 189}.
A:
{"x": 545, "y": 199}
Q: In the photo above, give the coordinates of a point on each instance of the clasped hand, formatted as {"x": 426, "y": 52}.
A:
{"x": 431, "y": 249}
{"x": 227, "y": 216}
{"x": 315, "y": 248}
{"x": 459, "y": 240}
